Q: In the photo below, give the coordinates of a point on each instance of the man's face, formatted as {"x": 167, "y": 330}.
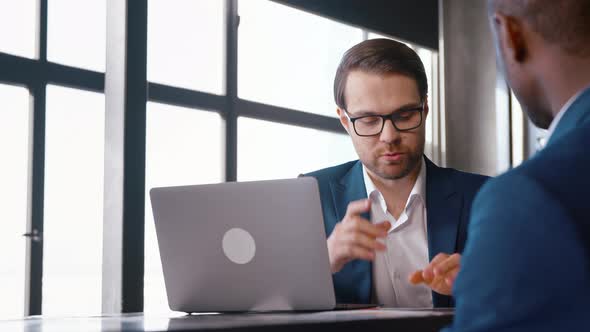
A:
{"x": 392, "y": 154}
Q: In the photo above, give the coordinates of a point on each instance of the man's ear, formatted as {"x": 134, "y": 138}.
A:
{"x": 511, "y": 37}
{"x": 343, "y": 119}
{"x": 426, "y": 109}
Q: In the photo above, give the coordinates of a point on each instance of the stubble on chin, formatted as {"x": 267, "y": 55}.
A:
{"x": 405, "y": 168}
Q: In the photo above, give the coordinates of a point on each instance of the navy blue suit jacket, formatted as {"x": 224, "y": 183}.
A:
{"x": 449, "y": 194}
{"x": 526, "y": 266}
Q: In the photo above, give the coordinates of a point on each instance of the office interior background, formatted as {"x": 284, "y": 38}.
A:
{"x": 232, "y": 90}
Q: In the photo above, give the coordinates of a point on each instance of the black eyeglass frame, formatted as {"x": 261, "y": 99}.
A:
{"x": 391, "y": 116}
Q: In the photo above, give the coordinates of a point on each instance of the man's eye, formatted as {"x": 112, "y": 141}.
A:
{"x": 370, "y": 120}
{"x": 405, "y": 115}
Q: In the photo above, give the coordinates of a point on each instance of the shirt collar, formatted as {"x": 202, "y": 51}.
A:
{"x": 418, "y": 190}
{"x": 561, "y": 112}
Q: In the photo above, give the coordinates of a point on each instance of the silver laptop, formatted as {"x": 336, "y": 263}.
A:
{"x": 248, "y": 246}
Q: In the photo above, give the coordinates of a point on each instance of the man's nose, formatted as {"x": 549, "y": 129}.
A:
{"x": 389, "y": 134}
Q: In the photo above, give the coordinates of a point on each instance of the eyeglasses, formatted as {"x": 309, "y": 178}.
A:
{"x": 372, "y": 125}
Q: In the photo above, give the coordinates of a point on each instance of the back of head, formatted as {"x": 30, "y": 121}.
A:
{"x": 544, "y": 50}
{"x": 379, "y": 56}
{"x": 561, "y": 22}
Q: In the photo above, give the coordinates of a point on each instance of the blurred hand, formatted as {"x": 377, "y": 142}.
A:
{"x": 355, "y": 237}
{"x": 440, "y": 274}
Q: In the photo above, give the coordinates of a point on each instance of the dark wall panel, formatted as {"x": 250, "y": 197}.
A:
{"x": 414, "y": 21}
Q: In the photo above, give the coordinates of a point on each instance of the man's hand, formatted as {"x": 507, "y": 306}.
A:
{"x": 355, "y": 237}
{"x": 440, "y": 274}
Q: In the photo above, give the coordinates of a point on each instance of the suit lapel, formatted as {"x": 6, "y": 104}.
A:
{"x": 351, "y": 187}
{"x": 443, "y": 204}
{"x": 443, "y": 208}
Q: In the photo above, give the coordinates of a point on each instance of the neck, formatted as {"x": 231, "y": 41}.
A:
{"x": 565, "y": 77}
{"x": 396, "y": 192}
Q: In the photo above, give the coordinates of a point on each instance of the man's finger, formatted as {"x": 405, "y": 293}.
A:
{"x": 451, "y": 276}
{"x": 365, "y": 241}
{"x": 362, "y": 253}
{"x": 428, "y": 272}
{"x": 361, "y": 225}
{"x": 386, "y": 225}
{"x": 416, "y": 278}
{"x": 448, "y": 264}
{"x": 355, "y": 208}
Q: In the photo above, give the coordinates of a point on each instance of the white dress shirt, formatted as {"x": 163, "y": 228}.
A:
{"x": 407, "y": 248}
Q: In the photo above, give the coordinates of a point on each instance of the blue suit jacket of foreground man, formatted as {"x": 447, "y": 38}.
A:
{"x": 526, "y": 266}
{"x": 449, "y": 194}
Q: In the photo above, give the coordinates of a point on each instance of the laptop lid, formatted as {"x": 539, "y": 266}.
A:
{"x": 243, "y": 246}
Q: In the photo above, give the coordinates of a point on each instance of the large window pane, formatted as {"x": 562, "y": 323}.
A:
{"x": 426, "y": 57}
{"x": 517, "y": 131}
{"x": 269, "y": 150}
{"x": 73, "y": 202}
{"x": 18, "y": 23}
{"x": 288, "y": 57}
{"x": 184, "y": 146}
{"x": 14, "y": 144}
{"x": 76, "y": 33}
{"x": 186, "y": 44}
{"x": 374, "y": 35}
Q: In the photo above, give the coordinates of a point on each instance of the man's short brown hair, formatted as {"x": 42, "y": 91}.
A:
{"x": 380, "y": 56}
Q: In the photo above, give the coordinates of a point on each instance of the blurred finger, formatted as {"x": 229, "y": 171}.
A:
{"x": 416, "y": 278}
{"x": 451, "y": 276}
{"x": 365, "y": 241}
{"x": 356, "y": 208}
{"x": 364, "y": 226}
{"x": 386, "y": 225}
{"x": 362, "y": 253}
{"x": 428, "y": 272}
{"x": 448, "y": 264}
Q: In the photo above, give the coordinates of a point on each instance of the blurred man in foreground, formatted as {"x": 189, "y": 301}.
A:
{"x": 526, "y": 265}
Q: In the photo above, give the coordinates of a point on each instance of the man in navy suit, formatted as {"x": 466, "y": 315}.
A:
{"x": 526, "y": 266}
{"x": 392, "y": 211}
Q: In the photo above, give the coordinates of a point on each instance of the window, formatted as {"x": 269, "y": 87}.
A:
{"x": 18, "y": 23}
{"x": 184, "y": 146}
{"x": 186, "y": 44}
{"x": 374, "y": 35}
{"x": 268, "y": 150}
{"x": 14, "y": 144}
{"x": 517, "y": 131}
{"x": 74, "y": 164}
{"x": 76, "y": 33}
{"x": 431, "y": 143}
{"x": 288, "y": 58}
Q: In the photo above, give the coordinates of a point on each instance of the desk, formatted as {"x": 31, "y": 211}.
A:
{"x": 373, "y": 320}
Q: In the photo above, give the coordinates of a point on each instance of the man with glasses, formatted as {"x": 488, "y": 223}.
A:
{"x": 393, "y": 211}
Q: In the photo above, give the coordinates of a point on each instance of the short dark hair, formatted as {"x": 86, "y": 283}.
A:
{"x": 380, "y": 56}
{"x": 562, "y": 22}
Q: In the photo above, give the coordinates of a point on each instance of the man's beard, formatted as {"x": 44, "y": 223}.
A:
{"x": 412, "y": 163}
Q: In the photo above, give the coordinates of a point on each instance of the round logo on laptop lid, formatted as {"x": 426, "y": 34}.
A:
{"x": 238, "y": 246}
